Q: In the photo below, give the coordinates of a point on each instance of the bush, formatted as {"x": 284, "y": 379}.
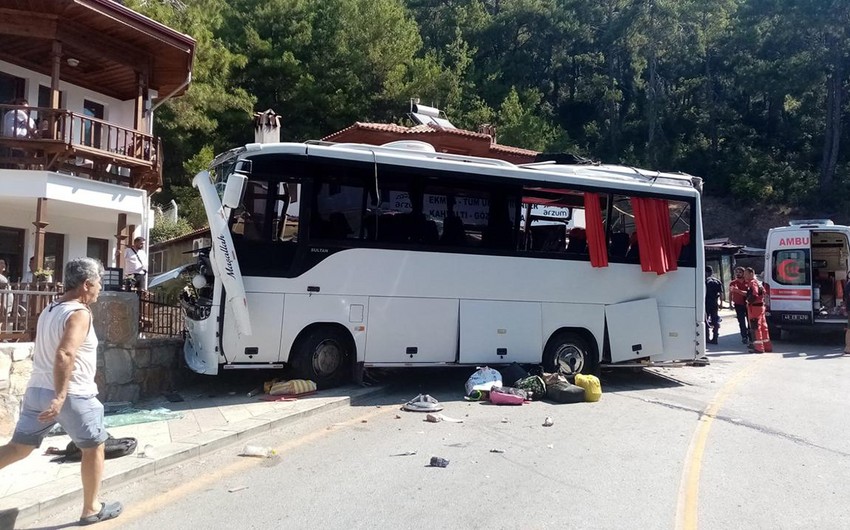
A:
{"x": 164, "y": 228}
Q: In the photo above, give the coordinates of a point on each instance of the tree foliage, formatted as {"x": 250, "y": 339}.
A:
{"x": 750, "y": 94}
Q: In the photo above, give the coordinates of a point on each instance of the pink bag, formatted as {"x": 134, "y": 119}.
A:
{"x": 507, "y": 396}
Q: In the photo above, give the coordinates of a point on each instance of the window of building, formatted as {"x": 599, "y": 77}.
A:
{"x": 157, "y": 263}
{"x": 98, "y": 249}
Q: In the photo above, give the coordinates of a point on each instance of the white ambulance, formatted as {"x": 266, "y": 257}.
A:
{"x": 805, "y": 269}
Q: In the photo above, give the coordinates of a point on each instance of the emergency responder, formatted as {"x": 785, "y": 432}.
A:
{"x": 738, "y": 295}
{"x": 713, "y": 297}
{"x": 755, "y": 312}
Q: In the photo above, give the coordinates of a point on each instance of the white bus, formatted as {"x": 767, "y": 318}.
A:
{"x": 335, "y": 257}
{"x": 804, "y": 272}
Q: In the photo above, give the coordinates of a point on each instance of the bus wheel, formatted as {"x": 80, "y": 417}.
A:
{"x": 568, "y": 353}
{"x": 323, "y": 355}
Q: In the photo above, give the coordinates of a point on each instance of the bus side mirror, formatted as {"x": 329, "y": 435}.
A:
{"x": 233, "y": 191}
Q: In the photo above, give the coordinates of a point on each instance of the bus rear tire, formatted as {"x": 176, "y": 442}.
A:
{"x": 568, "y": 353}
{"x": 323, "y": 355}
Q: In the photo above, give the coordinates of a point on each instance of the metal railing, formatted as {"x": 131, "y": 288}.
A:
{"x": 20, "y": 307}
{"x": 159, "y": 316}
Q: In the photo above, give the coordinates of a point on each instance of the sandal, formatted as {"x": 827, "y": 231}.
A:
{"x": 107, "y": 511}
{"x": 423, "y": 403}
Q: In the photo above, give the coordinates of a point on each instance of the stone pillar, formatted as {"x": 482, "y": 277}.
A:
{"x": 266, "y": 127}
{"x": 40, "y": 224}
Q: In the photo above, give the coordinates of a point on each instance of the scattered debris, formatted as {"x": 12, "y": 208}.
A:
{"x": 437, "y": 418}
{"x": 257, "y": 451}
{"x": 255, "y": 391}
{"x": 505, "y": 420}
{"x": 548, "y": 422}
{"x": 406, "y": 453}
{"x": 550, "y": 446}
{"x": 148, "y": 452}
{"x": 112, "y": 407}
{"x": 422, "y": 403}
{"x": 436, "y": 461}
{"x": 398, "y": 416}
{"x": 364, "y": 421}
{"x": 500, "y": 451}
{"x": 237, "y": 488}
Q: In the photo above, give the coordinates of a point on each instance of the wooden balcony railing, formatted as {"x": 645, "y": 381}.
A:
{"x": 60, "y": 140}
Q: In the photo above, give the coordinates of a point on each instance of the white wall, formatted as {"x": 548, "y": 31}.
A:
{"x": 115, "y": 111}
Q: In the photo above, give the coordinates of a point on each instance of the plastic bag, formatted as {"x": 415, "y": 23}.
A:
{"x": 293, "y": 387}
{"x": 591, "y": 385}
{"x": 484, "y": 379}
{"x": 535, "y": 386}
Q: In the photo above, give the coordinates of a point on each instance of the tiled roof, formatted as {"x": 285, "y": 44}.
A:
{"x": 427, "y": 129}
{"x": 191, "y": 235}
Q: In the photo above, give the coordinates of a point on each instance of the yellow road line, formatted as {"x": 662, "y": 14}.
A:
{"x": 687, "y": 513}
{"x": 137, "y": 510}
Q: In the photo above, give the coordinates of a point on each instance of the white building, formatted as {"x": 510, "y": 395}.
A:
{"x": 78, "y": 171}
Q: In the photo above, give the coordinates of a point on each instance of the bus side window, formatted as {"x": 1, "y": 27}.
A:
{"x": 337, "y": 208}
{"x": 624, "y": 244}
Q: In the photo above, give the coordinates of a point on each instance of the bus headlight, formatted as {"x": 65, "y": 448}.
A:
{"x": 198, "y": 281}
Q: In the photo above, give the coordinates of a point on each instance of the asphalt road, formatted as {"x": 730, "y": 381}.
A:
{"x": 751, "y": 441}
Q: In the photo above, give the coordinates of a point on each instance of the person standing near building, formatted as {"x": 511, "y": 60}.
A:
{"x": 62, "y": 387}
{"x": 738, "y": 296}
{"x": 17, "y": 122}
{"x": 755, "y": 312}
{"x": 713, "y": 296}
{"x": 136, "y": 263}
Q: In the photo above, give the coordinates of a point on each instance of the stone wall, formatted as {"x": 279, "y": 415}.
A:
{"x": 147, "y": 369}
{"x": 15, "y": 370}
{"x": 129, "y": 368}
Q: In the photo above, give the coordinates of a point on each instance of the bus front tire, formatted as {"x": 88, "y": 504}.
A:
{"x": 568, "y": 353}
{"x": 323, "y": 355}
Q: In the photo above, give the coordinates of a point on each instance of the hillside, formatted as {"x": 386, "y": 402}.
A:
{"x": 748, "y": 224}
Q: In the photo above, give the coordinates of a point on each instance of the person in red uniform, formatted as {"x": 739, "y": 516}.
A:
{"x": 755, "y": 312}
{"x": 738, "y": 292}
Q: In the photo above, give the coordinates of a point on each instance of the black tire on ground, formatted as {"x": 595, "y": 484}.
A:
{"x": 569, "y": 353}
{"x": 323, "y": 355}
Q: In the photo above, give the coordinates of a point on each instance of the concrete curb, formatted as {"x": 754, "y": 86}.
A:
{"x": 28, "y": 506}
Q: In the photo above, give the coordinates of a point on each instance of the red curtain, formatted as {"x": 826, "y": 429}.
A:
{"x": 655, "y": 238}
{"x": 596, "y": 244}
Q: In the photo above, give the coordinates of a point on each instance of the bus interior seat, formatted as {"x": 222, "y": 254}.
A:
{"x": 338, "y": 227}
{"x": 453, "y": 231}
{"x": 634, "y": 249}
{"x": 619, "y": 245}
{"x": 578, "y": 241}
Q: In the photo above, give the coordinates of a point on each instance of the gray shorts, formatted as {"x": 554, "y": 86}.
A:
{"x": 81, "y": 417}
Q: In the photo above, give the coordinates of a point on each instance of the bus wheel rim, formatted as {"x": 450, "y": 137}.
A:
{"x": 569, "y": 359}
{"x": 327, "y": 358}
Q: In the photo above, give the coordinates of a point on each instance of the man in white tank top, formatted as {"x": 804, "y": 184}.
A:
{"x": 62, "y": 388}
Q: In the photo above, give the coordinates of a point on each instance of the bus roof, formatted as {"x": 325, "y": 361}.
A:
{"x": 621, "y": 177}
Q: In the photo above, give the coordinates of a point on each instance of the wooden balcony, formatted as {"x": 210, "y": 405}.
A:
{"x": 67, "y": 142}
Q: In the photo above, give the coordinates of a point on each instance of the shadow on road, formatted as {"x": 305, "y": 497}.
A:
{"x": 629, "y": 381}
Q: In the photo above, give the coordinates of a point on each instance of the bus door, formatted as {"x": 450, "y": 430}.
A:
{"x": 493, "y": 332}
{"x": 411, "y": 330}
{"x": 790, "y": 277}
{"x": 634, "y": 330}
{"x": 202, "y": 355}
